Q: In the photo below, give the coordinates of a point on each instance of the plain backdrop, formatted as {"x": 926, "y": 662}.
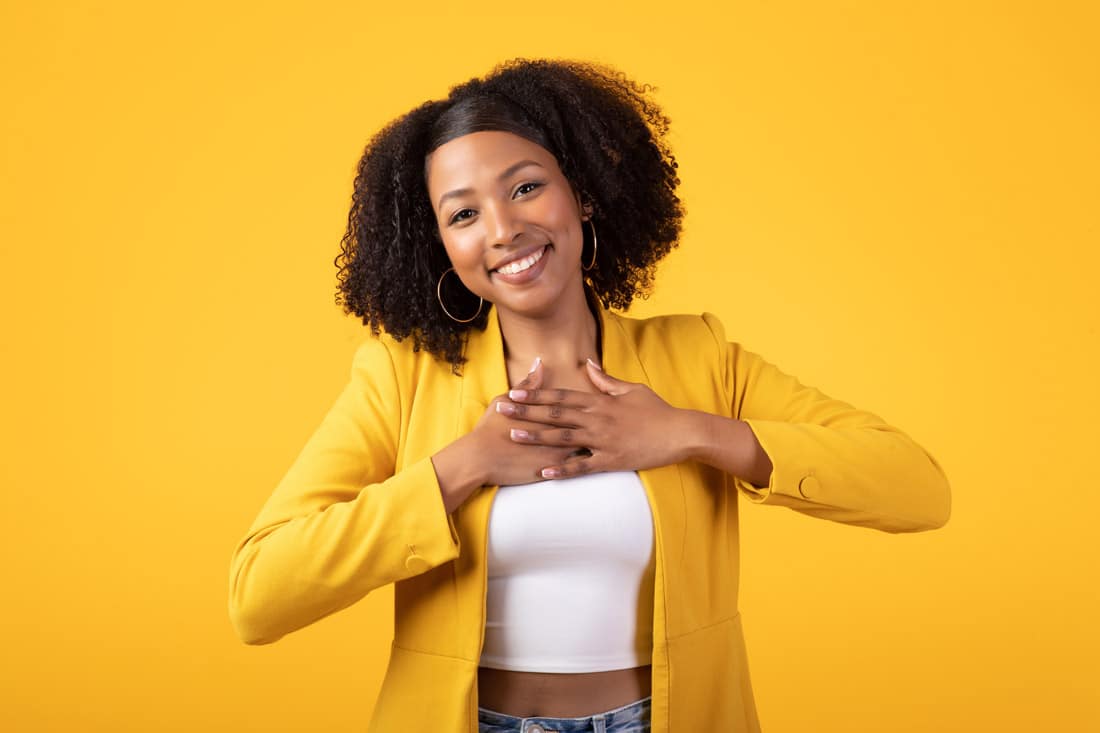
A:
{"x": 895, "y": 202}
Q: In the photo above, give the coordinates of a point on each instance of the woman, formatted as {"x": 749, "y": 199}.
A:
{"x": 551, "y": 486}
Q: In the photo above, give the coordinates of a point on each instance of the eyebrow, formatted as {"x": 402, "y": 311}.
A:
{"x": 507, "y": 172}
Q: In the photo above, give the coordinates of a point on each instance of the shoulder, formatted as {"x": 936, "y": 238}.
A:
{"x": 385, "y": 361}
{"x": 696, "y": 333}
{"x": 683, "y": 357}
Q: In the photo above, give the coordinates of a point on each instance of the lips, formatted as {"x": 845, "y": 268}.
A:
{"x": 525, "y": 254}
{"x": 525, "y": 270}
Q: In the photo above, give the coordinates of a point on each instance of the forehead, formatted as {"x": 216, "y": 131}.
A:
{"x": 466, "y": 159}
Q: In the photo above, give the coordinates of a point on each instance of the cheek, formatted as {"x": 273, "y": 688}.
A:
{"x": 570, "y": 231}
{"x": 561, "y": 214}
{"x": 465, "y": 256}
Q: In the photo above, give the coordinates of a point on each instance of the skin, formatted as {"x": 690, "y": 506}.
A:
{"x": 488, "y": 209}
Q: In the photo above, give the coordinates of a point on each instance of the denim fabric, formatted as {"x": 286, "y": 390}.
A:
{"x": 632, "y": 718}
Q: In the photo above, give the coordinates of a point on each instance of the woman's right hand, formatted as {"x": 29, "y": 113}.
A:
{"x": 488, "y": 455}
{"x": 504, "y": 460}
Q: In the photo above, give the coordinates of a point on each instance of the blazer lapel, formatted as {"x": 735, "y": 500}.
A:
{"x": 484, "y": 376}
{"x": 664, "y": 489}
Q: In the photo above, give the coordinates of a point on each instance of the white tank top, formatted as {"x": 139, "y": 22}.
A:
{"x": 571, "y": 567}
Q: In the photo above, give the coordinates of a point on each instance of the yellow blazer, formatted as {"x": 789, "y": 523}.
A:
{"x": 361, "y": 507}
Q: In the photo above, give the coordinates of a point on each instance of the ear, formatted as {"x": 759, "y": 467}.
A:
{"x": 585, "y": 203}
{"x": 586, "y": 208}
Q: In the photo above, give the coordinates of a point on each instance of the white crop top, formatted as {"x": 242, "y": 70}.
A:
{"x": 571, "y": 567}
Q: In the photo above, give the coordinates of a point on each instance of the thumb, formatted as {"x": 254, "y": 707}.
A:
{"x": 533, "y": 380}
{"x": 604, "y": 381}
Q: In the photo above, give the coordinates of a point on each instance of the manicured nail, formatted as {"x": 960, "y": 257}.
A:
{"x": 518, "y": 434}
{"x": 506, "y": 408}
{"x": 551, "y": 472}
{"x": 595, "y": 364}
{"x": 535, "y": 365}
{"x": 517, "y": 394}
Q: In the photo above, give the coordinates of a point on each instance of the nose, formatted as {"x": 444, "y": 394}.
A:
{"x": 501, "y": 227}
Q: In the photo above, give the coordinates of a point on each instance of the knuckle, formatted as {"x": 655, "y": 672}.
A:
{"x": 567, "y": 436}
{"x": 555, "y": 411}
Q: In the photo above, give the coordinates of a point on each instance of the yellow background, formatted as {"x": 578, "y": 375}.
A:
{"x": 896, "y": 202}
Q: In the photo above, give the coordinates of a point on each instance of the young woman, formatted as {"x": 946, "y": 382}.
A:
{"x": 551, "y": 486}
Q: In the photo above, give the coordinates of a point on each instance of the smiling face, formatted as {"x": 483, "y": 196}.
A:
{"x": 509, "y": 220}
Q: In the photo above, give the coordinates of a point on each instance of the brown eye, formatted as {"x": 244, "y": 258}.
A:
{"x": 457, "y": 217}
{"x": 525, "y": 188}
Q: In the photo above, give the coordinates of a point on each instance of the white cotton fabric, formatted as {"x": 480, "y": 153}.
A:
{"x": 571, "y": 567}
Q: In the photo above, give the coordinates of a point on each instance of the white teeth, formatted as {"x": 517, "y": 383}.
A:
{"x": 520, "y": 265}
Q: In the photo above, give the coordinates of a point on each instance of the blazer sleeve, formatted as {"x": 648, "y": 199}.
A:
{"x": 829, "y": 459}
{"x": 342, "y": 521}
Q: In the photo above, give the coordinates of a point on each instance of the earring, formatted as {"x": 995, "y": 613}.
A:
{"x": 591, "y": 264}
{"x": 439, "y": 297}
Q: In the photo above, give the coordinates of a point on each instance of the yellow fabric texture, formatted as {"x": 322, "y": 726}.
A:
{"x": 361, "y": 507}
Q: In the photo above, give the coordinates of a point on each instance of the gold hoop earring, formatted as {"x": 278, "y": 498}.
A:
{"x": 439, "y": 297}
{"x": 591, "y": 264}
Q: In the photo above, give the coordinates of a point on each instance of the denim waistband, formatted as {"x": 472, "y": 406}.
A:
{"x": 631, "y": 712}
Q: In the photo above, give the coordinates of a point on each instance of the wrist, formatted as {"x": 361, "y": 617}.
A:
{"x": 474, "y": 457}
{"x": 695, "y": 436}
{"x": 458, "y": 471}
{"x": 727, "y": 444}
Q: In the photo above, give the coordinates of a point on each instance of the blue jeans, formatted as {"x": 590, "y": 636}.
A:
{"x": 632, "y": 718}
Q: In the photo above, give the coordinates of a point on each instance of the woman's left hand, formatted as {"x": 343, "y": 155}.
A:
{"x": 626, "y": 427}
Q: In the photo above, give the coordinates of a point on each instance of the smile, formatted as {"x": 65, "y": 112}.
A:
{"x": 513, "y": 268}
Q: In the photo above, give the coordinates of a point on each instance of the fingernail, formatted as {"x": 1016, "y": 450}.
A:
{"x": 506, "y": 408}
{"x": 517, "y": 394}
{"x": 518, "y": 434}
{"x": 550, "y": 473}
{"x": 595, "y": 364}
{"x": 535, "y": 364}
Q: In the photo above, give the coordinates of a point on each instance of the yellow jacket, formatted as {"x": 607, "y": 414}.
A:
{"x": 361, "y": 507}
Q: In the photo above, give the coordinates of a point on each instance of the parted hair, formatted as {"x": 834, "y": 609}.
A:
{"x": 608, "y": 137}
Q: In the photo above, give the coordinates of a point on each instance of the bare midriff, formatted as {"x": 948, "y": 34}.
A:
{"x": 557, "y": 695}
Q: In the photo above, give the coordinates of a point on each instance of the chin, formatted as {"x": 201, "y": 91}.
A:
{"x": 542, "y": 303}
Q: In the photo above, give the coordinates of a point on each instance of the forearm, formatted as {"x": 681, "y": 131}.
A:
{"x": 308, "y": 555}
{"x": 832, "y": 460}
{"x": 726, "y": 444}
{"x": 457, "y": 470}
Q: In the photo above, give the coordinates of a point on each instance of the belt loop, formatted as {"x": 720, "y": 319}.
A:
{"x": 599, "y": 724}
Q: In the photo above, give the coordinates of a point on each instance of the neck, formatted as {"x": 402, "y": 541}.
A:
{"x": 563, "y": 339}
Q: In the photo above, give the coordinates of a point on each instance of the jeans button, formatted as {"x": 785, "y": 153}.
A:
{"x": 536, "y": 728}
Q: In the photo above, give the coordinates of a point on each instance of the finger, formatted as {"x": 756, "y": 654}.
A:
{"x": 565, "y": 397}
{"x": 533, "y": 380}
{"x": 555, "y": 414}
{"x": 570, "y": 468}
{"x": 549, "y": 436}
{"x": 604, "y": 381}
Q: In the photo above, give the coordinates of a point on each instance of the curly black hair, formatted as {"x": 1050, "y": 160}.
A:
{"x": 608, "y": 138}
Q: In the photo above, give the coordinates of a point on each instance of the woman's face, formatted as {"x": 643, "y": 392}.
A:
{"x": 509, "y": 220}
